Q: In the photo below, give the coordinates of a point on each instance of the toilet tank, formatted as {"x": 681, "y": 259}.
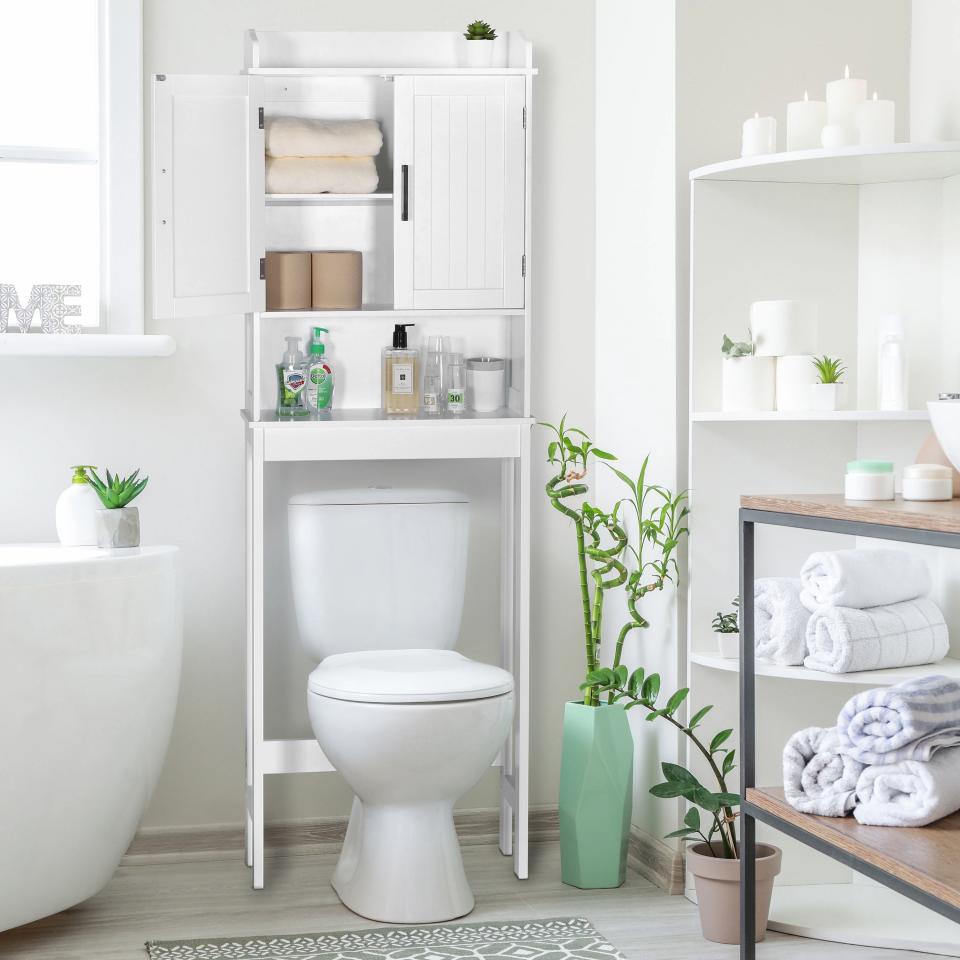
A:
{"x": 378, "y": 568}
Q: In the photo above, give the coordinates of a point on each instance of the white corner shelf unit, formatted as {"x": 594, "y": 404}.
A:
{"x": 446, "y": 246}
{"x": 861, "y": 232}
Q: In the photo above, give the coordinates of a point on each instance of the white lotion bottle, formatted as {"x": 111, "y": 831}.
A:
{"x": 77, "y": 510}
{"x": 892, "y": 391}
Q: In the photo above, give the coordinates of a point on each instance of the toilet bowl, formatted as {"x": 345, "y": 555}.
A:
{"x": 378, "y": 582}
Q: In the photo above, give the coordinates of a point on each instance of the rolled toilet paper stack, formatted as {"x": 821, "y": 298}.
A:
{"x": 786, "y": 331}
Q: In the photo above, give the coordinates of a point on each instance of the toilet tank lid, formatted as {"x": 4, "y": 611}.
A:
{"x": 358, "y": 496}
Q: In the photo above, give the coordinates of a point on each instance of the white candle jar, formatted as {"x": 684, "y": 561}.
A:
{"x": 783, "y": 327}
{"x": 868, "y": 480}
{"x": 749, "y": 384}
{"x": 927, "y": 481}
{"x": 486, "y": 383}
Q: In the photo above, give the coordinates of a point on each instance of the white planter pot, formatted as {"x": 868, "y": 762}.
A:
{"x": 478, "y": 53}
{"x": 795, "y": 376}
{"x": 728, "y": 645}
{"x": 118, "y": 528}
{"x": 782, "y": 328}
{"x": 827, "y": 396}
{"x": 749, "y": 384}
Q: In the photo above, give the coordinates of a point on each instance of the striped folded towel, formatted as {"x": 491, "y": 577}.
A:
{"x": 909, "y": 721}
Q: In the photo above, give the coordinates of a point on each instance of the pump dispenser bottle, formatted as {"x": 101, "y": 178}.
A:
{"x": 319, "y": 389}
{"x": 401, "y": 374}
{"x": 77, "y": 510}
{"x": 291, "y": 379}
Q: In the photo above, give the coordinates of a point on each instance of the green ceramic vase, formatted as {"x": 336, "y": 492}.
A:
{"x": 596, "y": 795}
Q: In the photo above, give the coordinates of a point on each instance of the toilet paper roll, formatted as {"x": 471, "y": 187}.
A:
{"x": 782, "y": 328}
{"x": 794, "y": 377}
{"x": 748, "y": 384}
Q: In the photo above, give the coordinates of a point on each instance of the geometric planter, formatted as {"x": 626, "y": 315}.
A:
{"x": 596, "y": 795}
{"x": 119, "y": 527}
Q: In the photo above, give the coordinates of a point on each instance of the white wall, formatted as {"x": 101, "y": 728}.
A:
{"x": 178, "y": 417}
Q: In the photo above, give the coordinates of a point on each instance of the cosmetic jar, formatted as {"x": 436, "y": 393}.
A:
{"x": 927, "y": 481}
{"x": 486, "y": 382}
{"x": 868, "y": 480}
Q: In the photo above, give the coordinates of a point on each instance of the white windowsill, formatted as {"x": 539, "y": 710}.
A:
{"x": 86, "y": 345}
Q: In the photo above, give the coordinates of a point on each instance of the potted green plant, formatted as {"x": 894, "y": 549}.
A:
{"x": 596, "y": 775}
{"x": 118, "y": 524}
{"x": 749, "y": 381}
{"x": 828, "y": 392}
{"x": 727, "y": 631}
{"x": 713, "y": 859}
{"x": 479, "y": 48}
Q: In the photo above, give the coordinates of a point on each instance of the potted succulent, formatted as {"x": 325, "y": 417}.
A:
{"x": 118, "y": 524}
{"x": 727, "y": 631}
{"x": 828, "y": 392}
{"x": 749, "y": 381}
{"x": 479, "y": 48}
{"x": 596, "y": 773}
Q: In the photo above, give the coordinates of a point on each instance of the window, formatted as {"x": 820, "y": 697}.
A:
{"x": 70, "y": 142}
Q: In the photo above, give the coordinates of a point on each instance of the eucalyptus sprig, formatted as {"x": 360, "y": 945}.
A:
{"x": 732, "y": 349}
{"x": 117, "y": 491}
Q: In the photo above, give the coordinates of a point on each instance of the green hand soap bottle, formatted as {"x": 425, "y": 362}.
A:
{"x": 291, "y": 379}
{"x": 320, "y": 380}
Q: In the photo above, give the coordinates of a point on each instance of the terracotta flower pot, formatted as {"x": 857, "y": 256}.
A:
{"x": 717, "y": 881}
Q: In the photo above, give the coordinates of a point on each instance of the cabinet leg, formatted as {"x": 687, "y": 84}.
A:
{"x": 506, "y": 827}
{"x": 748, "y": 888}
{"x": 257, "y": 831}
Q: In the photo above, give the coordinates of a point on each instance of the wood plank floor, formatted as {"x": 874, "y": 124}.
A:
{"x": 212, "y": 898}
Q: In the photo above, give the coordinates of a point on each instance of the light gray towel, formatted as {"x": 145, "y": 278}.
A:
{"x": 780, "y": 620}
{"x": 818, "y": 777}
{"x": 321, "y": 175}
{"x": 862, "y": 578}
{"x": 307, "y": 137}
{"x": 911, "y": 793}
{"x": 843, "y": 640}
{"x": 909, "y": 721}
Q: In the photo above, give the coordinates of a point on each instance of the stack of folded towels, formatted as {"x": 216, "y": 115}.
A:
{"x": 850, "y": 610}
{"x": 321, "y": 156}
{"x": 893, "y": 759}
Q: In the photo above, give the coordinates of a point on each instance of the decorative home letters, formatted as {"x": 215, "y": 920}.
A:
{"x": 49, "y": 299}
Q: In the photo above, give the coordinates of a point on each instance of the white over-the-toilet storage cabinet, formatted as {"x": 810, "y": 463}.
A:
{"x": 446, "y": 246}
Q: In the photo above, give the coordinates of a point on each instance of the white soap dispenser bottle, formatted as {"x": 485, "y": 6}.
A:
{"x": 892, "y": 387}
{"x": 77, "y": 510}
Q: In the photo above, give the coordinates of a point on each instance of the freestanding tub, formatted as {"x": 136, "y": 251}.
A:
{"x": 90, "y": 644}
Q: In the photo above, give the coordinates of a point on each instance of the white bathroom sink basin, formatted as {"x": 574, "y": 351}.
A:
{"x": 945, "y": 417}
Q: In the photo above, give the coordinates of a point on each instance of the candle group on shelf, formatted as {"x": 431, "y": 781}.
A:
{"x": 846, "y": 118}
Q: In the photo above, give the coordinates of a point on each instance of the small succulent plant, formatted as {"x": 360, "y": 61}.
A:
{"x": 480, "y": 30}
{"x": 733, "y": 348}
{"x": 117, "y": 491}
{"x": 727, "y": 622}
{"x": 829, "y": 370}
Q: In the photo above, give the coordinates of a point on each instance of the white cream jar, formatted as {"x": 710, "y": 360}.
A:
{"x": 927, "y": 481}
{"x": 868, "y": 480}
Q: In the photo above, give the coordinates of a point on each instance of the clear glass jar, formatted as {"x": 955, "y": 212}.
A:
{"x": 456, "y": 384}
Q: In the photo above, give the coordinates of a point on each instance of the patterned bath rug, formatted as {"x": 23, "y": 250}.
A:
{"x": 565, "y": 938}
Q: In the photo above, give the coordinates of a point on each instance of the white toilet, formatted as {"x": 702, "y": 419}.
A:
{"x": 378, "y": 584}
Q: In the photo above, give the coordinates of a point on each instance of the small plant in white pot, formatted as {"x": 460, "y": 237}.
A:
{"x": 118, "y": 524}
{"x": 749, "y": 381}
{"x": 727, "y": 631}
{"x": 829, "y": 390}
{"x": 479, "y": 48}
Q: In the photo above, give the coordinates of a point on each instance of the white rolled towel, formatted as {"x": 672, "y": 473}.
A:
{"x": 843, "y": 639}
{"x": 862, "y": 578}
{"x": 321, "y": 175}
{"x": 818, "y": 777}
{"x": 780, "y": 620}
{"x": 307, "y": 137}
{"x": 911, "y": 793}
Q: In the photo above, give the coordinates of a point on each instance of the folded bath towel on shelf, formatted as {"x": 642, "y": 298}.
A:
{"x": 909, "y": 721}
{"x": 321, "y": 175}
{"x": 911, "y": 793}
{"x": 842, "y": 639}
{"x": 780, "y": 620}
{"x": 306, "y": 137}
{"x": 817, "y": 777}
{"x": 862, "y": 578}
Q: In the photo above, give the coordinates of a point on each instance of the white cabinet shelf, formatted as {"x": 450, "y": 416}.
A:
{"x": 326, "y": 199}
{"x": 383, "y": 310}
{"x": 812, "y": 416}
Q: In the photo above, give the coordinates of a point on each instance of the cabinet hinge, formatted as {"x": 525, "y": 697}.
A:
{"x": 524, "y": 118}
{"x": 260, "y": 117}
{"x": 161, "y": 76}
{"x": 523, "y": 265}
{"x": 263, "y": 268}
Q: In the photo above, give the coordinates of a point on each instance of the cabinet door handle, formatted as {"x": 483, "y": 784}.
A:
{"x": 404, "y": 192}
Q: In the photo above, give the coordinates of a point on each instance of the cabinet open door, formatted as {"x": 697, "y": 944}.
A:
{"x": 208, "y": 196}
{"x": 459, "y": 167}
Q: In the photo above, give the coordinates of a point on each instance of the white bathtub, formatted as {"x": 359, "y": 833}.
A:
{"x": 90, "y": 644}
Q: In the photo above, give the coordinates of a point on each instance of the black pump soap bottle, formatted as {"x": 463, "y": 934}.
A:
{"x": 400, "y": 374}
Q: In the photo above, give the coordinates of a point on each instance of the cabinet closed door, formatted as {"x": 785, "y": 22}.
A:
{"x": 208, "y": 208}
{"x": 459, "y": 199}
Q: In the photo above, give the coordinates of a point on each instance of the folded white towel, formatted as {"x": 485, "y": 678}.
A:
{"x": 908, "y": 721}
{"x": 321, "y": 175}
{"x": 780, "y": 620}
{"x": 306, "y": 137}
{"x": 817, "y": 777}
{"x": 911, "y": 793}
{"x": 862, "y": 578}
{"x": 842, "y": 640}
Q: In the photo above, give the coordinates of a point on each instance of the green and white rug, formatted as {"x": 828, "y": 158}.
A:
{"x": 565, "y": 938}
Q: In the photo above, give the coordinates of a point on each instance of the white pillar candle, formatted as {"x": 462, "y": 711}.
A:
{"x": 759, "y": 136}
{"x": 843, "y": 98}
{"x": 805, "y": 119}
{"x": 837, "y": 135}
{"x": 875, "y": 120}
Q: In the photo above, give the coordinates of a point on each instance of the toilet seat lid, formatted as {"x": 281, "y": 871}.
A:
{"x": 407, "y": 676}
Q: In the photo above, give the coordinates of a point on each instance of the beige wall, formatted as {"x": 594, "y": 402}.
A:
{"x": 178, "y": 417}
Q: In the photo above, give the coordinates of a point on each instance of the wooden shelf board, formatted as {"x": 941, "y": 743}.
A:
{"x": 325, "y": 199}
{"x": 926, "y": 858}
{"x": 872, "y": 678}
{"x": 383, "y": 310}
{"x": 942, "y": 516}
{"x": 806, "y": 416}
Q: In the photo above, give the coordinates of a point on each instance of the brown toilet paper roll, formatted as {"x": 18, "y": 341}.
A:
{"x": 288, "y": 281}
{"x": 337, "y": 279}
